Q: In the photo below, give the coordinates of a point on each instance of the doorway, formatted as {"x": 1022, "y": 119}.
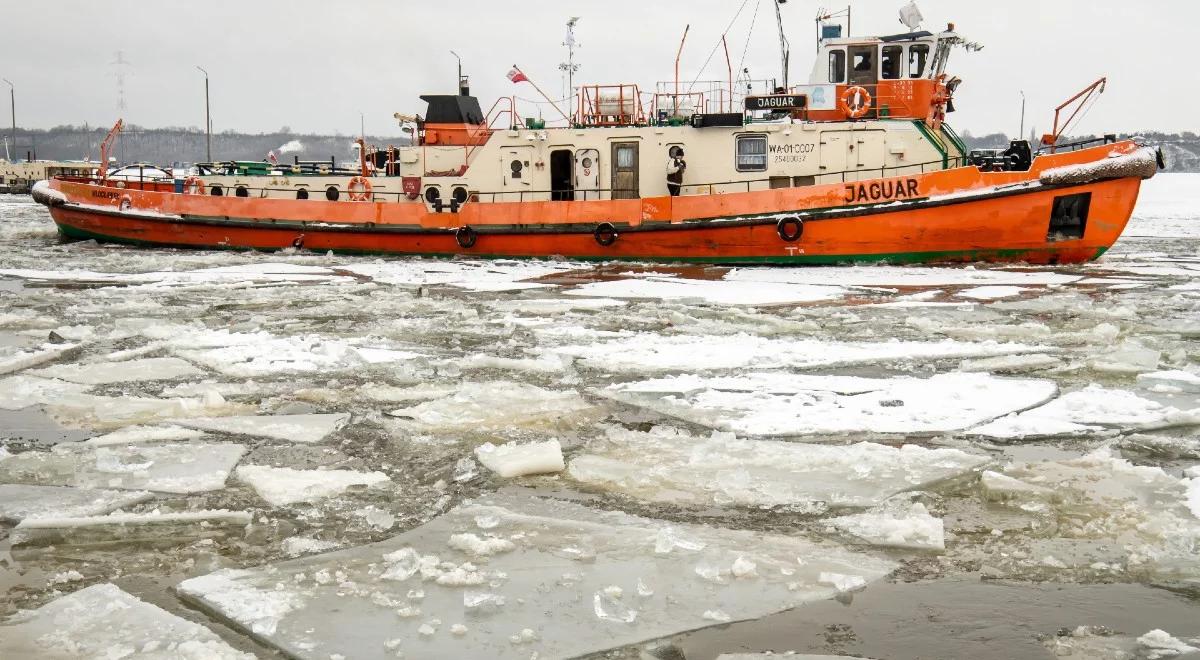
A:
{"x": 562, "y": 180}
{"x": 625, "y": 171}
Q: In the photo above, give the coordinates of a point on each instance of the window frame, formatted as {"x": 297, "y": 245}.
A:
{"x": 910, "y": 51}
{"x": 900, "y": 70}
{"x": 738, "y": 155}
{"x": 838, "y": 53}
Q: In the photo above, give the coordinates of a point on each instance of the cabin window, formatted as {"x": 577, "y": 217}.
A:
{"x": 837, "y": 66}
{"x": 889, "y": 63}
{"x": 752, "y": 153}
{"x": 918, "y": 55}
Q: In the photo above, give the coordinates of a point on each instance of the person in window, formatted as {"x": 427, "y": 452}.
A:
{"x": 675, "y": 168}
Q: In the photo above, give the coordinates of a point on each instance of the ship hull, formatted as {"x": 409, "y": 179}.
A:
{"x": 989, "y": 217}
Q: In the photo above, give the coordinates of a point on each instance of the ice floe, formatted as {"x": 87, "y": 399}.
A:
{"x": 104, "y": 373}
{"x": 908, "y": 527}
{"x": 490, "y": 406}
{"x": 898, "y": 276}
{"x": 22, "y": 391}
{"x": 152, "y": 526}
{"x": 778, "y": 404}
{"x": 719, "y": 292}
{"x": 17, "y": 359}
{"x": 992, "y": 292}
{"x": 669, "y": 465}
{"x": 169, "y": 468}
{"x": 541, "y": 596}
{"x": 136, "y": 434}
{"x": 515, "y": 459}
{"x": 1088, "y": 410}
{"x": 481, "y": 276}
{"x": 280, "y": 486}
{"x": 102, "y": 621}
{"x": 83, "y": 410}
{"x": 18, "y": 501}
{"x": 663, "y": 352}
{"x": 291, "y": 428}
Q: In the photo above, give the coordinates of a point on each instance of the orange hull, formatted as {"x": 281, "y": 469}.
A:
{"x": 950, "y": 215}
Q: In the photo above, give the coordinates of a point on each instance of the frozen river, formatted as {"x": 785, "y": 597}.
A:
{"x": 215, "y": 454}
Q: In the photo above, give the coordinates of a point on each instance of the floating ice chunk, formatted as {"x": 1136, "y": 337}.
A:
{"x": 549, "y": 364}
{"x": 477, "y": 546}
{"x": 18, "y": 392}
{"x": 1158, "y": 644}
{"x": 515, "y": 459}
{"x": 57, "y": 530}
{"x": 843, "y": 583}
{"x": 16, "y": 360}
{"x": 90, "y": 411}
{"x": 377, "y": 518}
{"x": 772, "y": 404}
{"x": 169, "y": 468}
{"x": 299, "y": 545}
{"x": 884, "y": 275}
{"x": 473, "y": 276}
{"x": 291, "y": 428}
{"x": 1010, "y": 363}
{"x": 719, "y": 292}
{"x": 282, "y": 486}
{"x": 1193, "y": 493}
{"x": 1084, "y": 411}
{"x": 104, "y": 373}
{"x": 1127, "y": 359}
{"x": 139, "y": 434}
{"x": 103, "y": 621}
{"x": 18, "y": 502}
{"x": 1001, "y": 487}
{"x": 1185, "y": 381}
{"x": 483, "y": 407}
{"x": 555, "y": 624}
{"x": 642, "y": 352}
{"x": 667, "y": 465}
{"x": 992, "y": 292}
{"x": 913, "y": 529}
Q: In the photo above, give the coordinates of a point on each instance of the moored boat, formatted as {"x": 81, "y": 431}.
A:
{"x": 856, "y": 165}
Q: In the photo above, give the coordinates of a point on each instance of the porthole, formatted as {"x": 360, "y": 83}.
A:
{"x": 516, "y": 167}
{"x": 432, "y": 194}
{"x": 242, "y": 191}
{"x": 332, "y": 194}
{"x": 460, "y": 194}
{"x": 217, "y": 191}
{"x": 302, "y": 194}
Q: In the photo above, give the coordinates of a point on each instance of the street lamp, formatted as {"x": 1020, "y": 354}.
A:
{"x": 207, "y": 116}
{"x": 12, "y": 95}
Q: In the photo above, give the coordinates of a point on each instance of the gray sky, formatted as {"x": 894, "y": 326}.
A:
{"x": 313, "y": 65}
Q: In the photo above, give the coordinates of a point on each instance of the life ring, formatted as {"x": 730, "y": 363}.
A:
{"x": 790, "y": 228}
{"x": 856, "y": 101}
{"x": 466, "y": 237}
{"x": 126, "y": 203}
{"x": 605, "y": 234}
{"x": 193, "y": 185}
{"x": 359, "y": 189}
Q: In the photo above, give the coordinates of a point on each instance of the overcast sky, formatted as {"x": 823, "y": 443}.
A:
{"x": 314, "y": 65}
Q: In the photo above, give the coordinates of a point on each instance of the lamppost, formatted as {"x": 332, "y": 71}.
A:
{"x": 12, "y": 96}
{"x": 207, "y": 115}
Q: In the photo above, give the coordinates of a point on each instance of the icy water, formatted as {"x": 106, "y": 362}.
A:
{"x": 211, "y": 454}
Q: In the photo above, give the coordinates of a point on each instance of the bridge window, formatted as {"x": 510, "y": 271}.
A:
{"x": 889, "y": 64}
{"x": 837, "y": 66}
{"x": 752, "y": 153}
{"x": 918, "y": 55}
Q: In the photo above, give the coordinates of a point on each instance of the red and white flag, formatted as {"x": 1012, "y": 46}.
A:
{"x": 272, "y": 157}
{"x": 516, "y": 76}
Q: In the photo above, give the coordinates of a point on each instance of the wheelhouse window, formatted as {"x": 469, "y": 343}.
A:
{"x": 889, "y": 62}
{"x": 837, "y": 66}
{"x": 752, "y": 153}
{"x": 918, "y": 55}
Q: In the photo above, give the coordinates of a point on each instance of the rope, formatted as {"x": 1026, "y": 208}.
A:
{"x": 718, "y": 44}
{"x": 753, "y": 21}
{"x": 1091, "y": 103}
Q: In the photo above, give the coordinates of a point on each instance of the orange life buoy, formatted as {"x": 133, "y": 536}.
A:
{"x": 856, "y": 101}
{"x": 193, "y": 185}
{"x": 359, "y": 189}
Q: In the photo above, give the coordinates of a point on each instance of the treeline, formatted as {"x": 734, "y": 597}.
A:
{"x": 176, "y": 145}
{"x": 1182, "y": 150}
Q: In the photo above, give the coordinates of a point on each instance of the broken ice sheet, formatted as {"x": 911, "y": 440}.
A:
{"x": 138, "y": 434}
{"x": 497, "y": 405}
{"x": 104, "y": 373}
{"x": 1088, "y": 410}
{"x": 909, "y": 526}
{"x": 718, "y": 292}
{"x": 22, "y": 391}
{"x": 350, "y": 602}
{"x": 280, "y": 486}
{"x": 18, "y": 501}
{"x": 515, "y": 459}
{"x": 102, "y": 621}
{"x": 642, "y": 352}
{"x": 884, "y": 275}
{"x": 672, "y": 466}
{"x": 153, "y": 527}
{"x": 82, "y": 410}
{"x": 14, "y": 358}
{"x": 170, "y": 468}
{"x": 291, "y": 428}
{"x": 491, "y": 275}
{"x": 777, "y": 404}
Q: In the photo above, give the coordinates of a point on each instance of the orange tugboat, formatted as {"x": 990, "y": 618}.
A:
{"x": 856, "y": 165}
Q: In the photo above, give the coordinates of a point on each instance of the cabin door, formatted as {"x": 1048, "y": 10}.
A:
{"x": 625, "y": 171}
{"x": 833, "y": 156}
{"x": 869, "y": 148}
{"x": 587, "y": 174}
{"x": 516, "y": 173}
{"x": 562, "y": 175}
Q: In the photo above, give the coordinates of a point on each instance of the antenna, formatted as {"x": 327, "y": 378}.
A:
{"x": 570, "y": 67}
{"x": 784, "y": 47}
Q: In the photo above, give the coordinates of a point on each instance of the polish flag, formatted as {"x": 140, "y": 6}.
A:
{"x": 516, "y": 76}
{"x": 272, "y": 157}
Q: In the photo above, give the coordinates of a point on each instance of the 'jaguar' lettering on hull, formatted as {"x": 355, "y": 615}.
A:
{"x": 881, "y": 191}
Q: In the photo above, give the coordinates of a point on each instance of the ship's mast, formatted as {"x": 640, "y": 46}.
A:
{"x": 570, "y": 67}
{"x": 784, "y": 47}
